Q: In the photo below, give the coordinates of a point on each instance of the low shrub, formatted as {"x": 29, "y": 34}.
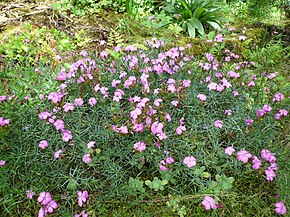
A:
{"x": 158, "y": 128}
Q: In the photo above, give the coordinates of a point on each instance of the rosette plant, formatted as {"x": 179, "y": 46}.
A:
{"x": 194, "y": 16}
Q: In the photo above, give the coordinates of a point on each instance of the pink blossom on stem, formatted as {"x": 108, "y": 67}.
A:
{"x": 270, "y": 174}
{"x": 244, "y": 156}
{"x": 229, "y": 150}
{"x": 87, "y": 158}
{"x": 280, "y": 208}
{"x": 57, "y": 154}
{"x": 43, "y": 144}
{"x": 189, "y": 161}
{"x": 68, "y": 107}
{"x": 140, "y": 146}
{"x": 79, "y": 102}
{"x": 256, "y": 163}
{"x": 208, "y": 203}
{"x": 278, "y": 97}
{"x": 44, "y": 198}
{"x": 218, "y": 124}
{"x": 92, "y": 101}
{"x": 2, "y": 163}
{"x": 169, "y": 160}
{"x": 30, "y": 194}
{"x": 82, "y": 197}
{"x": 201, "y": 97}
{"x": 249, "y": 122}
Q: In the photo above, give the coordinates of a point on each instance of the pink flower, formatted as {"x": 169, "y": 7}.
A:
{"x": 103, "y": 54}
{"x": 278, "y": 97}
{"x": 44, "y": 115}
{"x": 267, "y": 108}
{"x": 61, "y": 76}
{"x": 41, "y": 212}
{"x": 180, "y": 130}
{"x": 219, "y": 38}
{"x": 235, "y": 93}
{"x": 270, "y": 174}
{"x": 186, "y": 83}
{"x": 162, "y": 165}
{"x": 87, "y": 158}
{"x": 55, "y": 97}
{"x": 84, "y": 53}
{"x": 260, "y": 113}
{"x": 103, "y": 42}
{"x": 59, "y": 124}
{"x": 280, "y": 208}
{"x": 50, "y": 207}
{"x": 30, "y": 194}
{"x": 256, "y": 163}
{"x": 82, "y": 197}
{"x": 174, "y": 102}
{"x": 43, "y": 144}
{"x": 79, "y": 102}
{"x": 92, "y": 101}
{"x": 229, "y": 150}
{"x": 91, "y": 144}
{"x": 189, "y": 161}
{"x": 66, "y": 136}
{"x": 139, "y": 127}
{"x": 242, "y": 38}
{"x": 169, "y": 160}
{"x": 156, "y": 128}
{"x": 44, "y": 198}
{"x": 140, "y": 146}
{"x": 57, "y": 154}
{"x": 218, "y": 124}
{"x": 68, "y": 107}
{"x": 244, "y": 156}
{"x": 268, "y": 156}
{"x": 83, "y": 214}
{"x": 2, "y": 98}
{"x": 168, "y": 117}
{"x": 249, "y": 122}
{"x": 201, "y": 97}
{"x": 283, "y": 112}
{"x": 2, "y": 163}
{"x": 208, "y": 203}
{"x": 272, "y": 75}
{"x": 157, "y": 102}
{"x": 273, "y": 166}
{"x": 228, "y": 112}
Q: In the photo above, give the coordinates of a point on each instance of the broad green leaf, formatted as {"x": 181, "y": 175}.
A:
{"x": 214, "y": 25}
{"x": 191, "y": 30}
{"x": 197, "y": 24}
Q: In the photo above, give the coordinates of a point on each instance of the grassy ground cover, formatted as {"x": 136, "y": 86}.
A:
{"x": 142, "y": 126}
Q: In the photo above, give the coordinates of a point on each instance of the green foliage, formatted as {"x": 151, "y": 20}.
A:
{"x": 221, "y": 184}
{"x": 76, "y": 7}
{"x": 156, "y": 184}
{"x": 109, "y": 176}
{"x": 136, "y": 186}
{"x": 195, "y": 17}
{"x": 174, "y": 204}
{"x": 32, "y": 44}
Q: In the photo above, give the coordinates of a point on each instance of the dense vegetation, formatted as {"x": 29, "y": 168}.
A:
{"x": 166, "y": 108}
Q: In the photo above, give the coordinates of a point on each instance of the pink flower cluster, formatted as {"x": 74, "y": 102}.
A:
{"x": 4, "y": 122}
{"x": 265, "y": 154}
{"x": 49, "y": 205}
{"x": 164, "y": 163}
{"x": 140, "y": 146}
{"x": 209, "y": 203}
{"x": 82, "y": 197}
